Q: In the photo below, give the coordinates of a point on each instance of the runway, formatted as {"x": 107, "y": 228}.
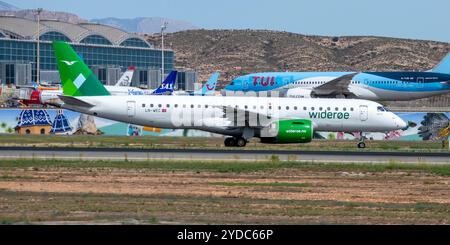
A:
{"x": 219, "y": 155}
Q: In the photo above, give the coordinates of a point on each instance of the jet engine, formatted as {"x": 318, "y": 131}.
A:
{"x": 299, "y": 93}
{"x": 288, "y": 131}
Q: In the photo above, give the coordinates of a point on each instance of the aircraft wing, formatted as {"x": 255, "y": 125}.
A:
{"x": 238, "y": 118}
{"x": 338, "y": 85}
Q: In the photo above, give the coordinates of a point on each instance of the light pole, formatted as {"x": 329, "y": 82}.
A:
{"x": 38, "y": 63}
{"x": 163, "y": 28}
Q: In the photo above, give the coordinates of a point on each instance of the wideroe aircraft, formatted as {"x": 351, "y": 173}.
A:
{"x": 391, "y": 86}
{"x": 273, "y": 120}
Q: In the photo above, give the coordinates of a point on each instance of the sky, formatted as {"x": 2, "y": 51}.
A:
{"x": 415, "y": 19}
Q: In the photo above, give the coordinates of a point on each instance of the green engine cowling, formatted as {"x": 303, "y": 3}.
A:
{"x": 290, "y": 131}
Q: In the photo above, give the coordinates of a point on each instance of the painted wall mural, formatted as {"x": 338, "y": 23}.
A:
{"x": 423, "y": 126}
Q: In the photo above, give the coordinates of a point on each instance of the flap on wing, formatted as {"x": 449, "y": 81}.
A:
{"x": 339, "y": 84}
{"x": 72, "y": 101}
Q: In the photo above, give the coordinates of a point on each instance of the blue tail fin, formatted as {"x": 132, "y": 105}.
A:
{"x": 209, "y": 86}
{"x": 167, "y": 86}
{"x": 443, "y": 66}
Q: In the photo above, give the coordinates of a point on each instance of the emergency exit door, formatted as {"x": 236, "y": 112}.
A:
{"x": 131, "y": 108}
{"x": 363, "y": 113}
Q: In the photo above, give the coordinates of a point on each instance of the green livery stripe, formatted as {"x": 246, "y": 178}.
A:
{"x": 76, "y": 77}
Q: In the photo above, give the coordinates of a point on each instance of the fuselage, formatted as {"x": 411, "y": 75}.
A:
{"x": 366, "y": 85}
{"x": 207, "y": 113}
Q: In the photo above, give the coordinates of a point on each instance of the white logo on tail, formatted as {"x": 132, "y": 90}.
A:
{"x": 79, "y": 81}
{"x": 69, "y": 63}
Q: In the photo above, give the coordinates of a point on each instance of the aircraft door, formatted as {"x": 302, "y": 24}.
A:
{"x": 420, "y": 82}
{"x": 363, "y": 113}
{"x": 131, "y": 108}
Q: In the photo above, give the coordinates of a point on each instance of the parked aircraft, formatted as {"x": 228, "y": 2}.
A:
{"x": 379, "y": 86}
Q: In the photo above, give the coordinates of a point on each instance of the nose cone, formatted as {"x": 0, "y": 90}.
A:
{"x": 400, "y": 123}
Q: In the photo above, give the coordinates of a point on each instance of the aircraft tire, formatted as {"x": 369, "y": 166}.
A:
{"x": 230, "y": 142}
{"x": 361, "y": 145}
{"x": 241, "y": 142}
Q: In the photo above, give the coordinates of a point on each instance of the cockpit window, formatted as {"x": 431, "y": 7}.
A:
{"x": 386, "y": 109}
{"x": 380, "y": 108}
{"x": 232, "y": 83}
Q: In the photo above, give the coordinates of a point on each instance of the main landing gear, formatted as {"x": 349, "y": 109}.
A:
{"x": 235, "y": 142}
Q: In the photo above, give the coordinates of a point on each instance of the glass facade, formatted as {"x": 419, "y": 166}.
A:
{"x": 134, "y": 42}
{"x": 24, "y": 51}
{"x": 95, "y": 39}
{"x": 9, "y": 73}
{"x": 53, "y": 35}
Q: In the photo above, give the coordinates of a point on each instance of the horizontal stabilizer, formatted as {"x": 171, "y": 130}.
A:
{"x": 72, "y": 101}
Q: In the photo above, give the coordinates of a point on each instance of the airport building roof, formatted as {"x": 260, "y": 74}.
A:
{"x": 88, "y": 33}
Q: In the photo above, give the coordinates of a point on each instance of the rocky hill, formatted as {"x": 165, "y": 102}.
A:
{"x": 237, "y": 52}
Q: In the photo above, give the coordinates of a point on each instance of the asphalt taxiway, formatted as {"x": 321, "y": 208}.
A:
{"x": 120, "y": 154}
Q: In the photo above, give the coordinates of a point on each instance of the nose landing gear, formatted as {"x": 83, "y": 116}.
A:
{"x": 361, "y": 143}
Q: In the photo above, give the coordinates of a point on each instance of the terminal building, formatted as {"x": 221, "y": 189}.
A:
{"x": 107, "y": 50}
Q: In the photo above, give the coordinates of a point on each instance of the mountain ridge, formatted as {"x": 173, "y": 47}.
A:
{"x": 239, "y": 52}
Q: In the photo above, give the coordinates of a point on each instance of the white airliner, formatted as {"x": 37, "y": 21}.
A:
{"x": 273, "y": 120}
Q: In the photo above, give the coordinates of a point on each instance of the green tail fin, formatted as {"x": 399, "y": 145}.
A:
{"x": 76, "y": 77}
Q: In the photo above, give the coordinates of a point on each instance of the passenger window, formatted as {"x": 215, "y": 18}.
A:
{"x": 206, "y": 106}
{"x": 151, "y": 105}
{"x": 287, "y": 108}
{"x": 328, "y": 109}
{"x": 345, "y": 109}
{"x": 199, "y": 106}
{"x": 320, "y": 108}
{"x": 159, "y": 105}
{"x": 279, "y": 107}
{"x": 336, "y": 109}
{"x": 305, "y": 109}
{"x": 143, "y": 105}
{"x": 351, "y": 109}
{"x": 192, "y": 106}
{"x": 312, "y": 108}
{"x": 176, "y": 105}
{"x": 254, "y": 107}
{"x": 295, "y": 107}
{"x": 168, "y": 106}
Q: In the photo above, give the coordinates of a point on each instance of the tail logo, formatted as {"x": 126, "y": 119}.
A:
{"x": 79, "y": 81}
{"x": 69, "y": 63}
{"x": 210, "y": 87}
